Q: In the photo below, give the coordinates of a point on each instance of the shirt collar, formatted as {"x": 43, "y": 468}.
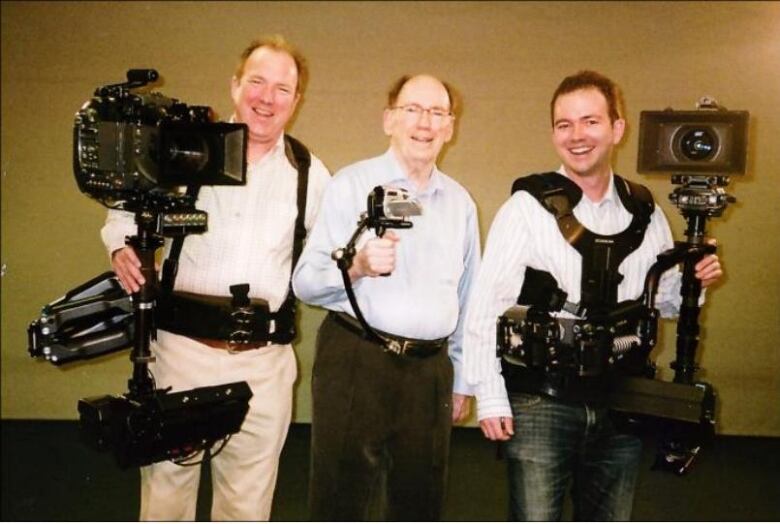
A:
{"x": 610, "y": 195}
{"x": 277, "y": 147}
{"x": 275, "y": 155}
{"x": 395, "y": 175}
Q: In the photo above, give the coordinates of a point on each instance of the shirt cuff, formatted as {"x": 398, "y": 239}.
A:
{"x": 459, "y": 384}
{"x": 493, "y": 406}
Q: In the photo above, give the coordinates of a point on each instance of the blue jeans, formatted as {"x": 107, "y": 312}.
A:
{"x": 557, "y": 444}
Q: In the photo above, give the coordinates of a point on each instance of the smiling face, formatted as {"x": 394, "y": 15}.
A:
{"x": 265, "y": 96}
{"x": 417, "y": 134}
{"x": 583, "y": 134}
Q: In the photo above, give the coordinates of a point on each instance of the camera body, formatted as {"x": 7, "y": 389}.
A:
{"x": 389, "y": 207}
{"x": 392, "y": 204}
{"x": 128, "y": 143}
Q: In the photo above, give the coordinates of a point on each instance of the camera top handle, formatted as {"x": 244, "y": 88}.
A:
{"x": 135, "y": 78}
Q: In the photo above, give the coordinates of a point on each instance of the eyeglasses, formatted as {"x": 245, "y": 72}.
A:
{"x": 415, "y": 112}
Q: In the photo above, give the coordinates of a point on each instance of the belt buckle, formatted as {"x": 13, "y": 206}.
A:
{"x": 236, "y": 339}
{"x": 242, "y": 317}
{"x": 243, "y": 314}
{"x": 396, "y": 347}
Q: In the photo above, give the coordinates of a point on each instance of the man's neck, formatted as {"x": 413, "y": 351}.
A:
{"x": 419, "y": 173}
{"x": 593, "y": 185}
{"x": 257, "y": 150}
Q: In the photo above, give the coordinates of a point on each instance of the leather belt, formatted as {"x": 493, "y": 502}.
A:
{"x": 218, "y": 319}
{"x": 231, "y": 347}
{"x": 410, "y": 347}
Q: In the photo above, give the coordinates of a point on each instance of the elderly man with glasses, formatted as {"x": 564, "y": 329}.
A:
{"x": 381, "y": 419}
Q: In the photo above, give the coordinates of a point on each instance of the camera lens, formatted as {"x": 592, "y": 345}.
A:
{"x": 698, "y": 143}
{"x": 187, "y": 153}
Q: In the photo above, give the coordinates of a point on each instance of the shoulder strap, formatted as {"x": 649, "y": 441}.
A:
{"x": 636, "y": 198}
{"x": 300, "y": 158}
{"x": 556, "y": 193}
{"x": 559, "y": 196}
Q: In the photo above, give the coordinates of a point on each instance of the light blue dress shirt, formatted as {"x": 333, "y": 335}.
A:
{"x": 437, "y": 260}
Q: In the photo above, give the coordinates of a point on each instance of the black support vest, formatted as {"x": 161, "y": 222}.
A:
{"x": 601, "y": 257}
{"x": 601, "y": 254}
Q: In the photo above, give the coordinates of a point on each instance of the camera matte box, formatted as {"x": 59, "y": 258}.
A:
{"x": 662, "y": 145}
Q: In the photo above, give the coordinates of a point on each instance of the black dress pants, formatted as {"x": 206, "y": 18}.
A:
{"x": 380, "y": 428}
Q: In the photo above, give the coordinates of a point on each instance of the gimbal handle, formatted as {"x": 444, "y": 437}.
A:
{"x": 688, "y": 253}
{"x": 688, "y": 321}
{"x": 145, "y": 244}
{"x": 345, "y": 256}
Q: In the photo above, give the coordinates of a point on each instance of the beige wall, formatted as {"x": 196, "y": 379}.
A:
{"x": 505, "y": 58}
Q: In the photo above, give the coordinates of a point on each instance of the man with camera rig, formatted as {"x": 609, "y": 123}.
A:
{"x": 383, "y": 397}
{"x": 226, "y": 312}
{"x": 570, "y": 248}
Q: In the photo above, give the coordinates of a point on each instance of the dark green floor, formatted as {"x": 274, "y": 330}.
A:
{"x": 49, "y": 475}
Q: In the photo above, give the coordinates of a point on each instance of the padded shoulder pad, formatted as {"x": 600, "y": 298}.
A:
{"x": 636, "y": 197}
{"x": 534, "y": 184}
{"x": 555, "y": 192}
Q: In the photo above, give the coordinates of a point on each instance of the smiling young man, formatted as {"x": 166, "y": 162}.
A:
{"x": 553, "y": 419}
{"x": 377, "y": 413}
{"x": 249, "y": 241}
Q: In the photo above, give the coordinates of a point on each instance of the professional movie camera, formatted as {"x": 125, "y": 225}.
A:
{"x": 701, "y": 149}
{"x": 132, "y": 151}
{"x": 387, "y": 208}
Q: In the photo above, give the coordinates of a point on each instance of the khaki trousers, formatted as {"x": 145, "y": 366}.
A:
{"x": 244, "y": 472}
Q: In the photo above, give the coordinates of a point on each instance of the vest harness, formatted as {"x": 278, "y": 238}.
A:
{"x": 238, "y": 319}
{"x": 565, "y": 358}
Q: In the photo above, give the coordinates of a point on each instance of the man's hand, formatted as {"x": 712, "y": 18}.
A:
{"x": 708, "y": 269}
{"x": 127, "y": 267}
{"x": 460, "y": 407}
{"x": 375, "y": 258}
{"x": 497, "y": 428}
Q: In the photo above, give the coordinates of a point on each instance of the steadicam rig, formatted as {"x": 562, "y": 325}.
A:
{"x": 132, "y": 151}
{"x": 700, "y": 150}
{"x": 388, "y": 208}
